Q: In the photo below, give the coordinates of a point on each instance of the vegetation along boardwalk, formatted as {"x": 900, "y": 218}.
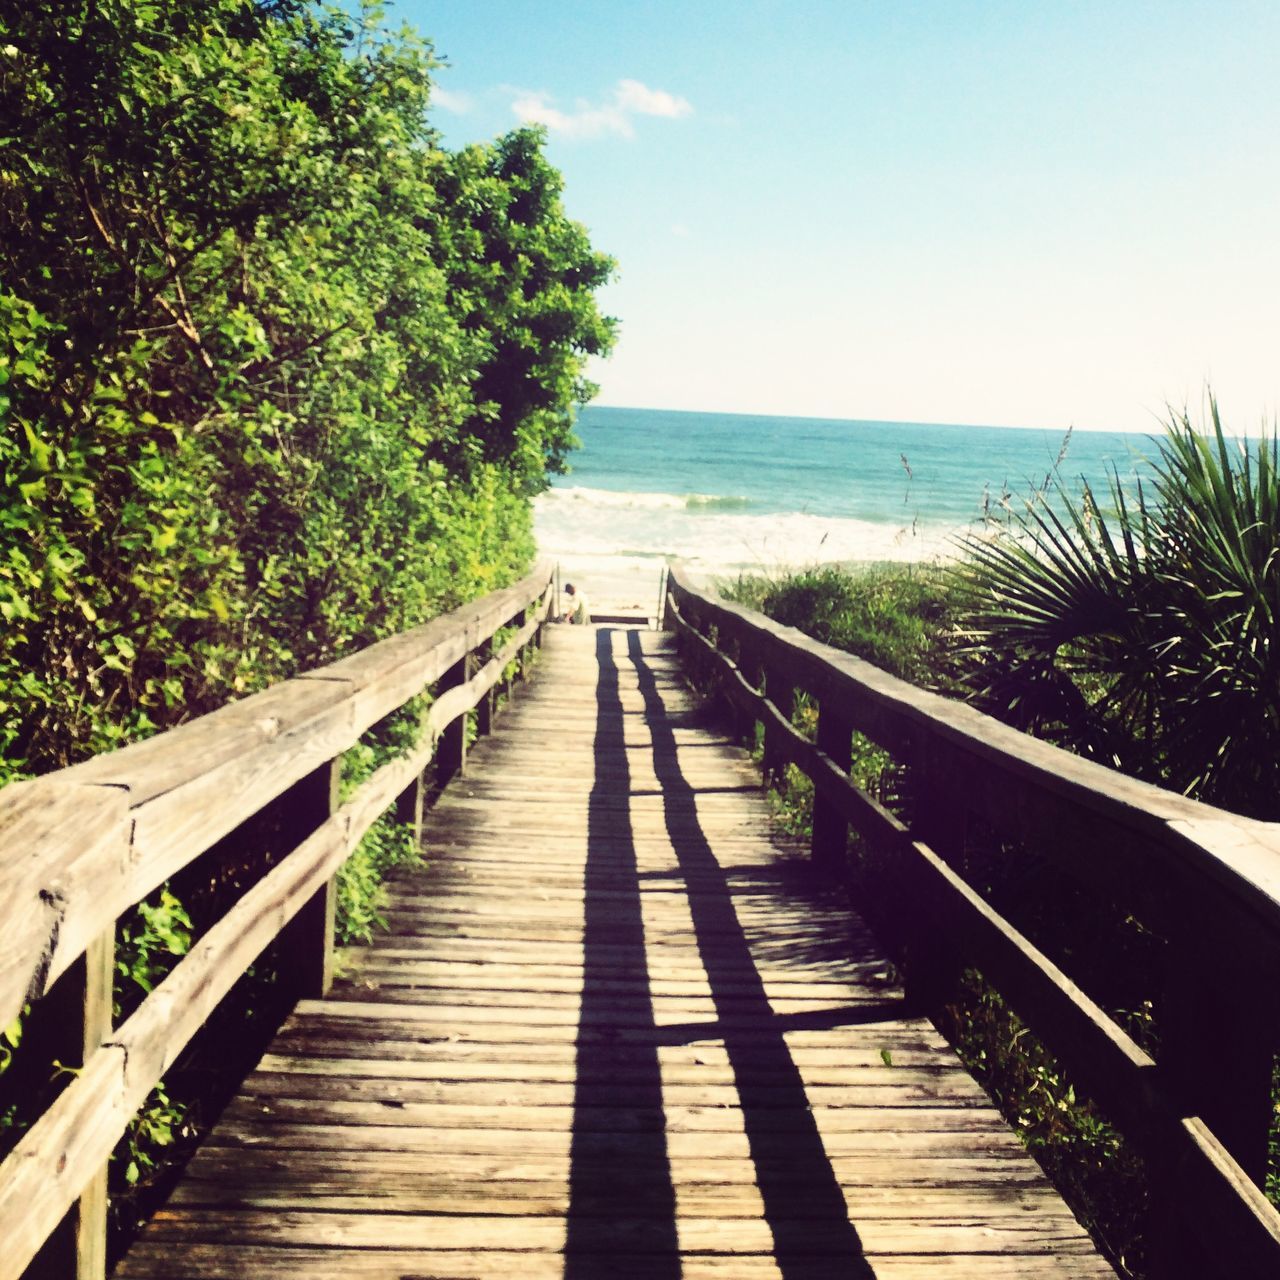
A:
{"x": 616, "y": 1029}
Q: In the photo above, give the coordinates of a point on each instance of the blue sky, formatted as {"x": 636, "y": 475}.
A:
{"x": 1013, "y": 213}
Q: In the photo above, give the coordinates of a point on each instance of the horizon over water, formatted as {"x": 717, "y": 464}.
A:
{"x": 728, "y": 493}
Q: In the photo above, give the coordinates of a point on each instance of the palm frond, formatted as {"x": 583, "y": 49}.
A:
{"x": 1146, "y": 633}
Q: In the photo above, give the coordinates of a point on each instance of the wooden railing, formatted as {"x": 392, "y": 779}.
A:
{"x": 80, "y": 847}
{"x": 1201, "y": 1109}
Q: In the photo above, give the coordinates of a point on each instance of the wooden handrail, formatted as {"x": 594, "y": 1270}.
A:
{"x": 1209, "y": 880}
{"x": 79, "y": 847}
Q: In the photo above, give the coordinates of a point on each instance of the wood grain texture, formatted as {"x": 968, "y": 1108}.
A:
{"x": 79, "y": 847}
{"x": 618, "y": 1029}
{"x": 51, "y": 894}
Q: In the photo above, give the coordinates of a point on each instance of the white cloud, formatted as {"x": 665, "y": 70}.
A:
{"x": 584, "y": 122}
{"x": 595, "y": 120}
{"x": 457, "y": 103}
{"x": 631, "y": 95}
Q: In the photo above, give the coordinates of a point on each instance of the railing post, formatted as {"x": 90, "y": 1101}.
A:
{"x": 779, "y": 690}
{"x": 830, "y": 830}
{"x": 541, "y": 606}
{"x": 75, "y": 1018}
{"x": 1216, "y": 1038}
{"x": 526, "y": 649}
{"x": 451, "y": 750}
{"x": 749, "y": 667}
{"x": 933, "y": 961}
{"x": 509, "y": 682}
{"x": 305, "y": 949}
{"x": 410, "y": 804}
{"x": 1217, "y": 1048}
{"x": 484, "y": 714}
{"x": 688, "y": 651}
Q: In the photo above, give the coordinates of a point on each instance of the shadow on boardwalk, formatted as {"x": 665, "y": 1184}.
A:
{"x": 631, "y": 1199}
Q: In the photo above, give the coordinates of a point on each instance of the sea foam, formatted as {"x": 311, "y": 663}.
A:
{"x": 717, "y": 536}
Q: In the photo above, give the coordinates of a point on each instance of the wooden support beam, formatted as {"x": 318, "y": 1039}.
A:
{"x": 830, "y": 828}
{"x": 752, "y": 673}
{"x": 451, "y": 750}
{"x": 779, "y": 690}
{"x": 1217, "y": 1052}
{"x": 934, "y": 952}
{"x": 305, "y": 950}
{"x": 73, "y": 1020}
{"x": 410, "y": 804}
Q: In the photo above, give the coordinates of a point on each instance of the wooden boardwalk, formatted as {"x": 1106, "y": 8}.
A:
{"x": 615, "y": 1030}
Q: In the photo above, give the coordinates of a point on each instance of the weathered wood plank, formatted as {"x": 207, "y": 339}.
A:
{"x": 617, "y": 1234}
{"x": 615, "y": 1034}
{"x": 512, "y": 1173}
{"x": 231, "y": 1261}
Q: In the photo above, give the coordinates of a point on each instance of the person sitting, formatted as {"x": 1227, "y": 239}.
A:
{"x": 577, "y": 612}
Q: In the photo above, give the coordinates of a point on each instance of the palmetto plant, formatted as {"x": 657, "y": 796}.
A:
{"x": 1144, "y": 633}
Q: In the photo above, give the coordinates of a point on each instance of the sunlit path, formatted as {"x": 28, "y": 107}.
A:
{"x": 615, "y": 1029}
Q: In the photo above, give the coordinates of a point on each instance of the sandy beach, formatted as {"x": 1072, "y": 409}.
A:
{"x": 612, "y": 583}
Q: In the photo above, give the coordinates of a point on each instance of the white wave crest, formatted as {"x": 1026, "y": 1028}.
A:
{"x": 719, "y": 540}
{"x": 579, "y": 496}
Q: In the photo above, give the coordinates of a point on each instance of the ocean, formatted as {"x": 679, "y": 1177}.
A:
{"x": 728, "y": 493}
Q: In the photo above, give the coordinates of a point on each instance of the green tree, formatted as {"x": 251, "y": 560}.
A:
{"x": 279, "y": 373}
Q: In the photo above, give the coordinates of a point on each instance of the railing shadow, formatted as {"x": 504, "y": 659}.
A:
{"x": 790, "y": 1159}
{"x": 619, "y": 1170}
{"x": 622, "y": 1193}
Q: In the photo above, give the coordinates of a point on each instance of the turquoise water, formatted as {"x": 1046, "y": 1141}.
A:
{"x": 727, "y": 491}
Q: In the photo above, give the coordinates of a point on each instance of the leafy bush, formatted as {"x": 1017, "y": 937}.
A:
{"x": 278, "y": 373}
{"x": 387, "y": 845}
{"x": 896, "y": 616}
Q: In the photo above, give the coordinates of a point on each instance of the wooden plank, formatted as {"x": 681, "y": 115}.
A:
{"x": 851, "y": 1064}
{"x": 590, "y": 1112}
{"x": 248, "y": 1262}
{"x": 882, "y": 1089}
{"x": 619, "y": 1235}
{"x": 626, "y": 1037}
{"x": 376, "y": 1193}
{"x": 514, "y": 1172}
